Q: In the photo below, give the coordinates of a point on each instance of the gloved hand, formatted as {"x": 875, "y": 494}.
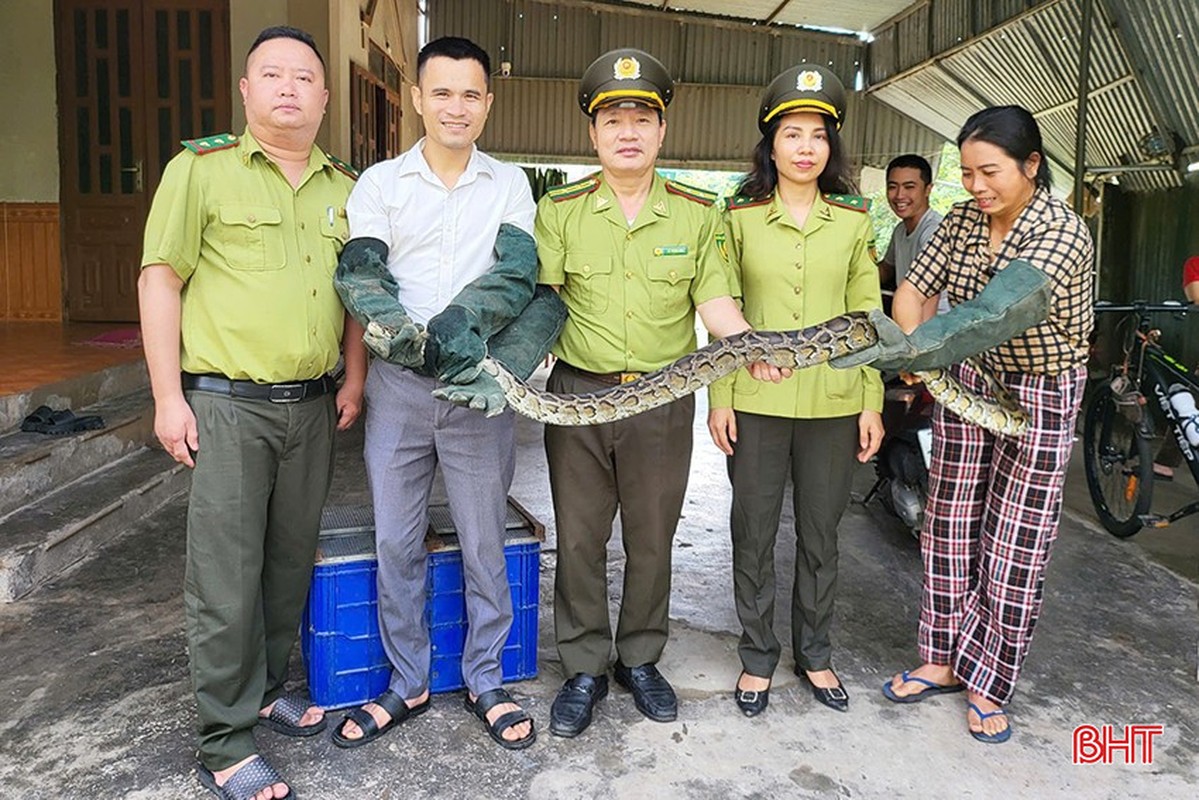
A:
{"x": 454, "y": 348}
{"x": 405, "y": 346}
{"x": 482, "y": 394}
{"x": 1017, "y": 298}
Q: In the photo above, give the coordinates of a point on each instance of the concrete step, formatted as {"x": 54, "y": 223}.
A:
{"x": 34, "y": 464}
{"x": 74, "y": 393}
{"x": 41, "y": 540}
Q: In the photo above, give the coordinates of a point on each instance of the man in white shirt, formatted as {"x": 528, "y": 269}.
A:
{"x": 432, "y": 216}
{"x": 909, "y": 183}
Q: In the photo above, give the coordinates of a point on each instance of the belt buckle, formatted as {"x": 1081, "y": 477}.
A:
{"x": 629, "y": 377}
{"x": 286, "y": 393}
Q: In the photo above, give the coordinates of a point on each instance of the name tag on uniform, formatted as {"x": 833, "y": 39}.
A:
{"x": 671, "y": 250}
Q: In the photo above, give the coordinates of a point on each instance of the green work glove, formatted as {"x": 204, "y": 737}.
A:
{"x": 520, "y": 347}
{"x": 482, "y": 394}
{"x": 1017, "y": 298}
{"x": 370, "y": 294}
{"x": 454, "y": 347}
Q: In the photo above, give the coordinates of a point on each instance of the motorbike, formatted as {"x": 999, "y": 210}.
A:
{"x": 902, "y": 463}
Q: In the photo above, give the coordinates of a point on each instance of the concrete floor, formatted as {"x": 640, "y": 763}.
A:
{"x": 96, "y": 699}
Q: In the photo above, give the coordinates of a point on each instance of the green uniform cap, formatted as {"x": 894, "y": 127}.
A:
{"x": 627, "y": 75}
{"x": 804, "y": 87}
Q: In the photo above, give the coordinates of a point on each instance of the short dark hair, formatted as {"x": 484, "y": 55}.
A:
{"x": 286, "y": 32}
{"x": 763, "y": 176}
{"x": 912, "y": 161}
{"x": 1014, "y": 131}
{"x": 457, "y": 48}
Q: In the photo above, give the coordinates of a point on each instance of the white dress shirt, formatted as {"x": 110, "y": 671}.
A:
{"x": 438, "y": 239}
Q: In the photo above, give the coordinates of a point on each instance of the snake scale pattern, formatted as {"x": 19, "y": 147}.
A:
{"x": 839, "y": 336}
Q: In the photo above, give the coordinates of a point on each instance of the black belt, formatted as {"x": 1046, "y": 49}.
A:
{"x": 607, "y": 378}
{"x": 293, "y": 392}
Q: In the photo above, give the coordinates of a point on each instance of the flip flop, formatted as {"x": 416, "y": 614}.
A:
{"x": 37, "y": 419}
{"x": 390, "y": 702}
{"x": 930, "y": 690}
{"x": 990, "y": 738}
{"x": 489, "y": 700}
{"x": 286, "y": 714}
{"x": 244, "y": 784}
{"x": 59, "y": 423}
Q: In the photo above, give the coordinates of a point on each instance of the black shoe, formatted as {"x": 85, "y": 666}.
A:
{"x": 571, "y": 712}
{"x": 835, "y": 698}
{"x": 751, "y": 702}
{"x": 651, "y": 692}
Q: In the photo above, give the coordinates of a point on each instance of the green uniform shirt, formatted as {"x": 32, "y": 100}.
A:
{"x": 791, "y": 278}
{"x": 631, "y": 289}
{"x": 256, "y": 257}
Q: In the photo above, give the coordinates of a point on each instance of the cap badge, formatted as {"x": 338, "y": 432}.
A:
{"x": 627, "y": 68}
{"x": 809, "y": 81}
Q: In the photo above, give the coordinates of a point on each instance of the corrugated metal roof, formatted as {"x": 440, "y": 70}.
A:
{"x": 1041, "y": 47}
{"x": 858, "y": 15}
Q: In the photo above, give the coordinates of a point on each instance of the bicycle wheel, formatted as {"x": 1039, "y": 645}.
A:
{"x": 1119, "y": 466}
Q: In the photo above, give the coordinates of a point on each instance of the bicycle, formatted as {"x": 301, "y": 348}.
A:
{"x": 1118, "y": 432}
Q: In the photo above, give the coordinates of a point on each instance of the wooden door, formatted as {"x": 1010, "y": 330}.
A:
{"x": 134, "y": 77}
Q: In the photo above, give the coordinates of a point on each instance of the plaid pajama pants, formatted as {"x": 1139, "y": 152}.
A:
{"x": 993, "y": 511}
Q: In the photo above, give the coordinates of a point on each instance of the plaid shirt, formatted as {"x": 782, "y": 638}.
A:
{"x": 1049, "y": 236}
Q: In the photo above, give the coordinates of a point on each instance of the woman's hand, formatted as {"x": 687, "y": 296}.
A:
{"x": 870, "y": 434}
{"x": 722, "y": 424}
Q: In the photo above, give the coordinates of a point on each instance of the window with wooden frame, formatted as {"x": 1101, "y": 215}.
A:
{"x": 374, "y": 110}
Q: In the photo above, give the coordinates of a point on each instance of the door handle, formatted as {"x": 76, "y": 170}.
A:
{"x": 136, "y": 169}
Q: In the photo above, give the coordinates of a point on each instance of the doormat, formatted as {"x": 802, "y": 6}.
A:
{"x": 121, "y": 337}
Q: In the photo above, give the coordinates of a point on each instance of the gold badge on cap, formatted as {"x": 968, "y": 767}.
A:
{"x": 627, "y": 68}
{"x": 809, "y": 81}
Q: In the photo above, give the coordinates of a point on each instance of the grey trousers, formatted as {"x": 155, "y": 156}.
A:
{"x": 408, "y": 433}
{"x": 819, "y": 453}
{"x": 253, "y": 515}
{"x": 640, "y": 465}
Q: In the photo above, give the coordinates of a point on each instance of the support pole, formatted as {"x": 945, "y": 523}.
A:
{"x": 1084, "y": 74}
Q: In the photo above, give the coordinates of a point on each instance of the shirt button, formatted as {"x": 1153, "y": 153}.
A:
{"x": 629, "y": 275}
{"x": 795, "y": 316}
{"x": 251, "y": 218}
{"x": 314, "y": 292}
{"x": 587, "y": 268}
{"x": 308, "y": 259}
{"x": 798, "y": 245}
{"x": 628, "y": 237}
{"x": 628, "y": 353}
{"x": 673, "y": 274}
{"x": 301, "y": 226}
{"x": 629, "y": 314}
{"x": 799, "y": 265}
{"x": 797, "y": 290}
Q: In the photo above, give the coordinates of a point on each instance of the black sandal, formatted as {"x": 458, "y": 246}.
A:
{"x": 286, "y": 715}
{"x": 253, "y": 777}
{"x": 390, "y": 702}
{"x": 496, "y": 697}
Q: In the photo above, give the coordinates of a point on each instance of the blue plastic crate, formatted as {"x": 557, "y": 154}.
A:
{"x": 340, "y": 630}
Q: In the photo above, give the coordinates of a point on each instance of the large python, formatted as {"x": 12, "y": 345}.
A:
{"x": 839, "y": 336}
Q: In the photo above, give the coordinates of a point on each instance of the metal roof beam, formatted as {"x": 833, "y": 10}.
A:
{"x": 778, "y": 10}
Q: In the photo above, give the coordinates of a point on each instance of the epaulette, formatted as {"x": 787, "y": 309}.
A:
{"x": 342, "y": 166}
{"x": 704, "y": 198}
{"x": 210, "y": 144}
{"x": 572, "y": 190}
{"x": 851, "y": 201}
{"x": 741, "y": 201}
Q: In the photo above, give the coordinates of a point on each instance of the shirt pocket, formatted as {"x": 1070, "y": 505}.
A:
{"x": 841, "y": 384}
{"x": 588, "y": 278}
{"x": 334, "y": 238}
{"x": 670, "y": 283}
{"x": 252, "y": 237}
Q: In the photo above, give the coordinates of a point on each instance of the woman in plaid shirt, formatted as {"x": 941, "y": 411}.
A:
{"x": 995, "y": 502}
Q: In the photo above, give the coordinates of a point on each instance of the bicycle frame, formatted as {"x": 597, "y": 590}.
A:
{"x": 1154, "y": 370}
